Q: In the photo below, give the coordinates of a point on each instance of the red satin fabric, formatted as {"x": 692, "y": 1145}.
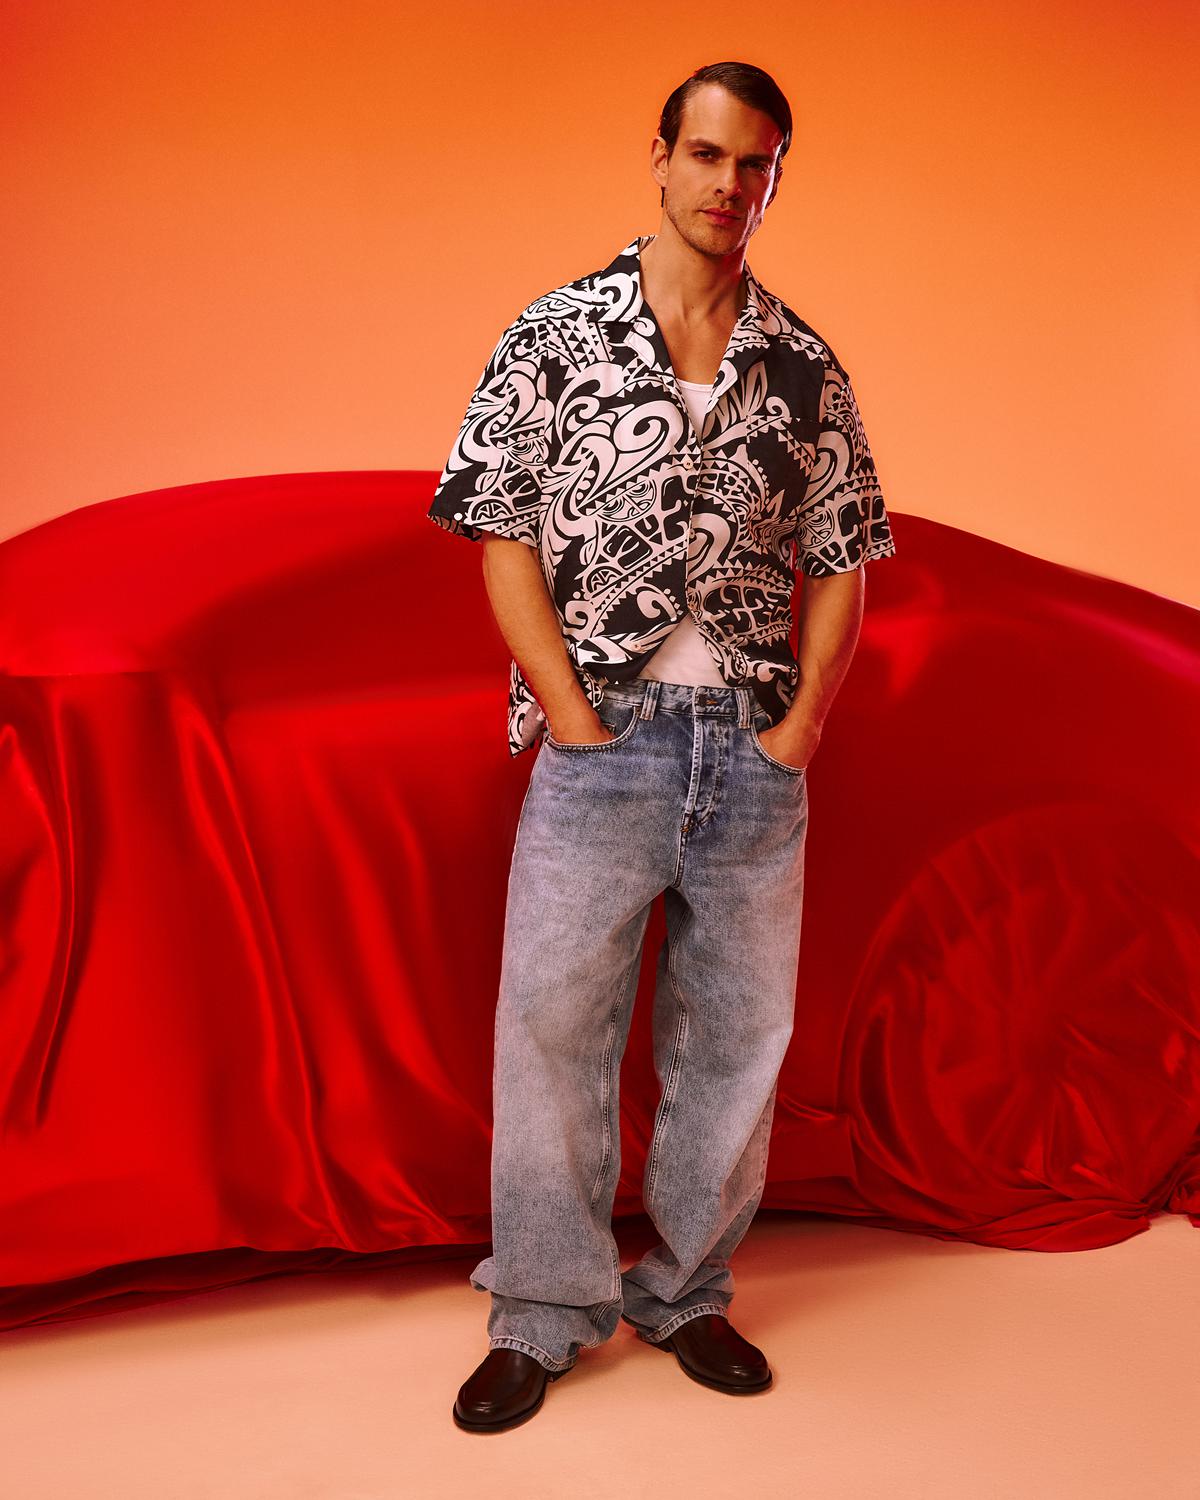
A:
{"x": 257, "y": 810}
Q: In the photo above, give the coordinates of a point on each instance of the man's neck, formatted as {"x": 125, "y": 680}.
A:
{"x": 688, "y": 289}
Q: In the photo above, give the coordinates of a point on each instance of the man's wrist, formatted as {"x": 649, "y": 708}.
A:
{"x": 569, "y": 714}
{"x": 802, "y": 718}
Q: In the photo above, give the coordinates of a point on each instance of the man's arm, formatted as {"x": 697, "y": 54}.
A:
{"x": 529, "y": 623}
{"x": 831, "y": 611}
{"x": 845, "y": 523}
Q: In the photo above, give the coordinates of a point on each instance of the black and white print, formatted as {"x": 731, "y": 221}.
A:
{"x": 577, "y": 441}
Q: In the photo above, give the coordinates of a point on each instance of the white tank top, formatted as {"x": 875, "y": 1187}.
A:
{"x": 683, "y": 656}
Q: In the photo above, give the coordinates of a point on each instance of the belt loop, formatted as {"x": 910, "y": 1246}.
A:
{"x": 743, "y": 698}
{"x": 649, "y": 699}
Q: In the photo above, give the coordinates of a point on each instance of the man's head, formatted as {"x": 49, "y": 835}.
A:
{"x": 721, "y": 141}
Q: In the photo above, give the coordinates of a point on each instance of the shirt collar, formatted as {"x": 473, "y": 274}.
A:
{"x": 627, "y": 318}
{"x": 617, "y": 290}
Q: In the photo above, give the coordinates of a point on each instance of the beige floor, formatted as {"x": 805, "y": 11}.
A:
{"x": 904, "y": 1367}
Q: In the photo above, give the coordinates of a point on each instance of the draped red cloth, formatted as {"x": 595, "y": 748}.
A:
{"x": 256, "y": 816}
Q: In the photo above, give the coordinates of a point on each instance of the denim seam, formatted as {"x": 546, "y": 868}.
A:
{"x": 600, "y": 1308}
{"x": 606, "y": 1078}
{"x": 668, "y": 1098}
{"x": 721, "y": 745}
{"x": 571, "y": 747}
{"x": 760, "y": 1185}
{"x": 797, "y": 773}
{"x": 669, "y": 1327}
{"x": 508, "y": 1342}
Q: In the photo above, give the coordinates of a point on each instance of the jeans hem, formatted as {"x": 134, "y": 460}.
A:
{"x": 540, "y": 1355}
{"x": 657, "y": 1335}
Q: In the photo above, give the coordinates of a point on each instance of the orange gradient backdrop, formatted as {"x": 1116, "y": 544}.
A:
{"x": 265, "y": 238}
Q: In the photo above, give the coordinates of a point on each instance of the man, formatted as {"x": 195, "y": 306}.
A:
{"x": 651, "y": 454}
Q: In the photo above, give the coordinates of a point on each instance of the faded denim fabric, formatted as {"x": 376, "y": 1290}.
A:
{"x": 684, "y": 801}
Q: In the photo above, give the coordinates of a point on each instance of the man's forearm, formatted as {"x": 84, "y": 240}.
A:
{"x": 831, "y": 611}
{"x": 830, "y": 621}
{"x": 531, "y": 628}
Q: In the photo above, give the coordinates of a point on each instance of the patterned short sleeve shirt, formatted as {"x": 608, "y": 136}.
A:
{"x": 577, "y": 441}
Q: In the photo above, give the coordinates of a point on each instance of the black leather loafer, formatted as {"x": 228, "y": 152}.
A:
{"x": 711, "y": 1350}
{"x": 505, "y": 1390}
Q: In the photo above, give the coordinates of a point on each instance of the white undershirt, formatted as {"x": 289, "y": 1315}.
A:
{"x": 683, "y": 656}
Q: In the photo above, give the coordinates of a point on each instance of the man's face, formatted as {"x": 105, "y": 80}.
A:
{"x": 724, "y": 158}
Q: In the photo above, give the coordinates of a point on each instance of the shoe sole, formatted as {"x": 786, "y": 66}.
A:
{"x": 513, "y": 1421}
{"x": 667, "y": 1346}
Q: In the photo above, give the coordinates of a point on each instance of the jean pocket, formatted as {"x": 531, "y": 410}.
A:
{"x": 762, "y": 719}
{"x": 620, "y": 719}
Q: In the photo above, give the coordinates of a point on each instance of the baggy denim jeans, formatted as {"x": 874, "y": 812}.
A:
{"x": 684, "y": 802}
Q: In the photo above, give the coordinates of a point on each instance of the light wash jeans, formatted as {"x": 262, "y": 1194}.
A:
{"x": 684, "y": 801}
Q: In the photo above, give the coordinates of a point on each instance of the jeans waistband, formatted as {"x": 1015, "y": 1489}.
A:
{"x": 736, "y": 703}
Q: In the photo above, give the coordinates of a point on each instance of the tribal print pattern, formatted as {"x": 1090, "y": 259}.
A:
{"x": 577, "y": 441}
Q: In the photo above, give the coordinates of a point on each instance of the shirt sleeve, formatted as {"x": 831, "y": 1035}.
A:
{"x": 492, "y": 479}
{"x": 844, "y": 522}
